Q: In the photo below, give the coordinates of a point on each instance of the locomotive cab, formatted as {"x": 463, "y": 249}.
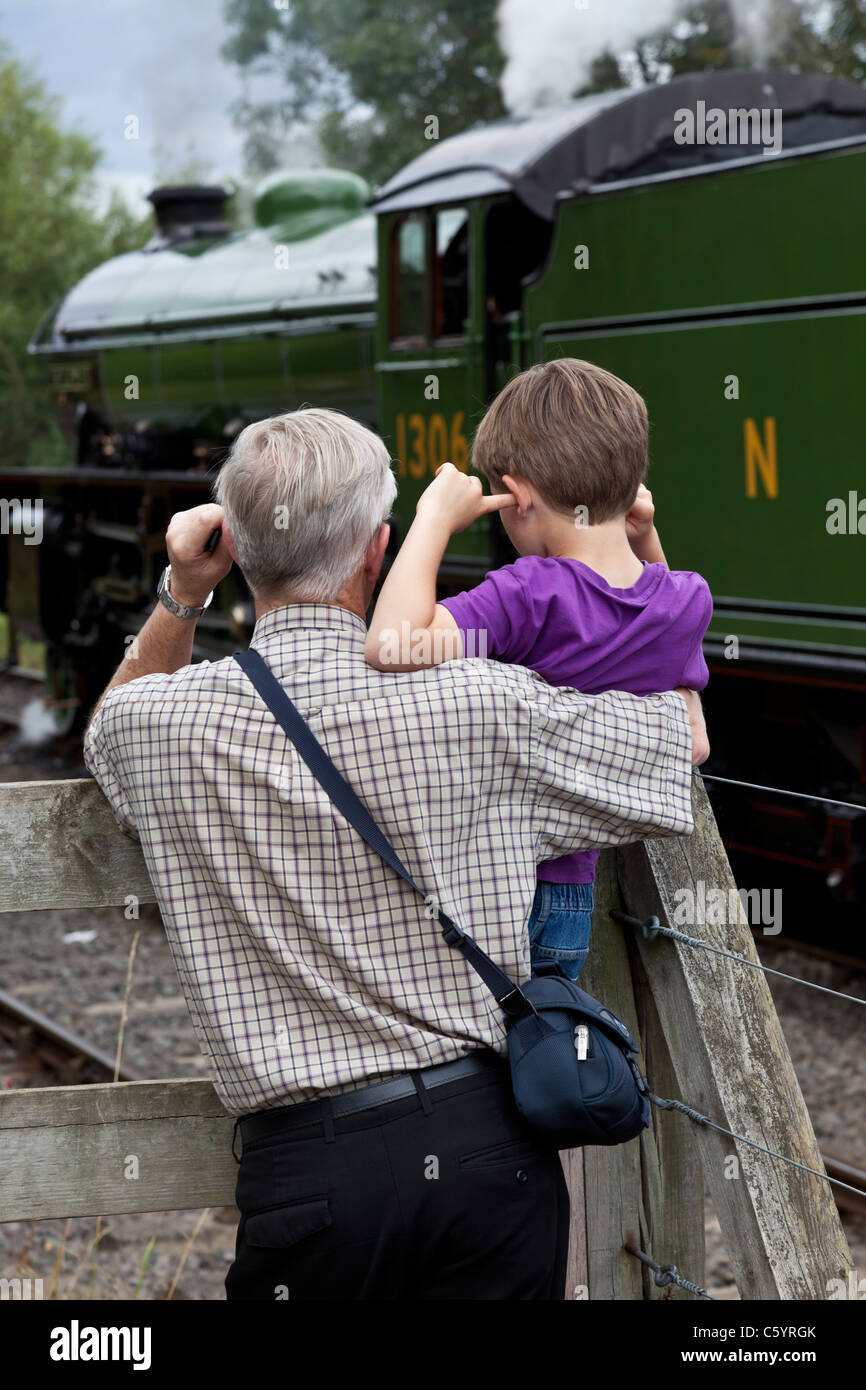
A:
{"x": 694, "y": 258}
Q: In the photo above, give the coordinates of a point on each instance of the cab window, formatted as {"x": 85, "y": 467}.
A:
{"x": 409, "y": 279}
{"x": 430, "y": 276}
{"x": 451, "y": 273}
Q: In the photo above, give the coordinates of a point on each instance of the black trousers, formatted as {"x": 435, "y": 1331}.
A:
{"x": 442, "y": 1195}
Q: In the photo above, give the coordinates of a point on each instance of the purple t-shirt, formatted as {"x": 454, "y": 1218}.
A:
{"x": 563, "y": 620}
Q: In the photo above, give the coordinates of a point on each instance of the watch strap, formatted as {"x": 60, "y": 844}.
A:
{"x": 180, "y": 610}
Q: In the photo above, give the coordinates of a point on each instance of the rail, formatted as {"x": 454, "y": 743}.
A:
{"x": 709, "y": 1036}
{"x": 55, "y": 1047}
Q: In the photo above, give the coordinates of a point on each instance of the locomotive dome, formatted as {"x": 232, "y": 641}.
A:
{"x": 306, "y": 202}
{"x": 620, "y": 135}
{"x": 313, "y": 241}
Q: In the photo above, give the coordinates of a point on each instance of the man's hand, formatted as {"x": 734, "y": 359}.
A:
{"x": 700, "y": 741}
{"x": 194, "y": 572}
{"x": 454, "y": 500}
{"x": 164, "y": 644}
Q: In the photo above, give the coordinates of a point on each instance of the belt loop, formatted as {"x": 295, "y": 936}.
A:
{"x": 234, "y": 1138}
{"x": 426, "y": 1103}
{"x": 328, "y": 1120}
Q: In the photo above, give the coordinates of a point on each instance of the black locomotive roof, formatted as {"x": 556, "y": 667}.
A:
{"x": 616, "y": 134}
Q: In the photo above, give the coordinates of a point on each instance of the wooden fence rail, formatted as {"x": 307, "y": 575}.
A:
{"x": 708, "y": 1030}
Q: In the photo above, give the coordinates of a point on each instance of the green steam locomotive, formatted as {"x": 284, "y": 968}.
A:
{"x": 702, "y": 239}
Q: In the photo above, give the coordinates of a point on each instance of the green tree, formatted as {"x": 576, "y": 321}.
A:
{"x": 51, "y": 233}
{"x": 367, "y": 74}
{"x": 704, "y": 38}
{"x": 605, "y": 75}
{"x": 843, "y": 39}
{"x": 800, "y": 35}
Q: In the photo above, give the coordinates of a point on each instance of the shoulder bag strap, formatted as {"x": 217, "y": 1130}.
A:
{"x": 508, "y": 994}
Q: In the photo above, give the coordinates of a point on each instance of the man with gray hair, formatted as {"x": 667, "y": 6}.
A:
{"x": 383, "y": 1157}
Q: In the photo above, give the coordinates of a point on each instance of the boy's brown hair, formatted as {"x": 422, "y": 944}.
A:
{"x": 573, "y": 430}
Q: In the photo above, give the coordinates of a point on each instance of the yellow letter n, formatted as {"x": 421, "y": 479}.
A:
{"x": 761, "y": 458}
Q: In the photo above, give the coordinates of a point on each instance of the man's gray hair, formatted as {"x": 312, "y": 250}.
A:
{"x": 304, "y": 495}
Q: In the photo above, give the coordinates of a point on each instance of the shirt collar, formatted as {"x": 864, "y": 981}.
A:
{"x": 292, "y": 616}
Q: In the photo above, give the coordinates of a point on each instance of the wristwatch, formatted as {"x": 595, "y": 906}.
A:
{"x": 180, "y": 610}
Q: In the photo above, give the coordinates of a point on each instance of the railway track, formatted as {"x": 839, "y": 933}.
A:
{"x": 846, "y": 1171}
{"x": 809, "y": 948}
{"x": 48, "y": 1054}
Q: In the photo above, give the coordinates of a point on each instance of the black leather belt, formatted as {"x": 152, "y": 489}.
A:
{"x": 265, "y": 1122}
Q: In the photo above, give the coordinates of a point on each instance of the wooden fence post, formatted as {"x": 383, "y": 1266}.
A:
{"x": 730, "y": 1061}
{"x": 648, "y": 1192}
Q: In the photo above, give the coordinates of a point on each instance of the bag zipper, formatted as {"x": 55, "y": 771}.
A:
{"x": 581, "y": 1041}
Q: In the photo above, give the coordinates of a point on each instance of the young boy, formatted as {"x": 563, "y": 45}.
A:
{"x": 591, "y": 603}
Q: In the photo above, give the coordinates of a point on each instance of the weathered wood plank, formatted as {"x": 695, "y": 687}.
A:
{"x": 73, "y": 1150}
{"x": 612, "y": 1176}
{"x": 60, "y": 846}
{"x": 650, "y": 1191}
{"x": 577, "y": 1275}
{"x": 731, "y": 1063}
{"x": 672, "y": 1230}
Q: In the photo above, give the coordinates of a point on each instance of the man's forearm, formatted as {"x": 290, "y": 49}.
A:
{"x": 163, "y": 645}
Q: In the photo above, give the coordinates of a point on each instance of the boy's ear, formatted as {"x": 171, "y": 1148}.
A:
{"x": 519, "y": 489}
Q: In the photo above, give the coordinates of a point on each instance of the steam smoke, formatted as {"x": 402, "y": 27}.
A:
{"x": 37, "y": 724}
{"x": 752, "y": 18}
{"x": 550, "y": 46}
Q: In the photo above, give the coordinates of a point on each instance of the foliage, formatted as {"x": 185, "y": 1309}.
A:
{"x": 826, "y": 36}
{"x": 843, "y": 44}
{"x": 52, "y": 232}
{"x": 367, "y": 73}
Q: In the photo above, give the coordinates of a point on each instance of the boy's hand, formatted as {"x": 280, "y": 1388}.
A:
{"x": 640, "y": 529}
{"x": 454, "y": 500}
{"x": 639, "y": 520}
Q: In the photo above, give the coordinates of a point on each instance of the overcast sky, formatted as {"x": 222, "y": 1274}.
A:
{"x": 158, "y": 60}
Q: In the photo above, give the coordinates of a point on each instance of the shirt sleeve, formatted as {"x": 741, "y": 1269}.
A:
{"x": 494, "y": 616}
{"x": 609, "y": 769}
{"x": 109, "y": 743}
{"x": 103, "y": 769}
{"x": 697, "y": 615}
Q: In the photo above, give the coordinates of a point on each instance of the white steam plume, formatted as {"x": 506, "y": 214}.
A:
{"x": 550, "y": 45}
{"x": 752, "y": 18}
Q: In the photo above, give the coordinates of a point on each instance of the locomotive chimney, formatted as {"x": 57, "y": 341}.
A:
{"x": 188, "y": 212}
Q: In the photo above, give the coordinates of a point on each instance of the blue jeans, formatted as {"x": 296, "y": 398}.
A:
{"x": 560, "y": 924}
